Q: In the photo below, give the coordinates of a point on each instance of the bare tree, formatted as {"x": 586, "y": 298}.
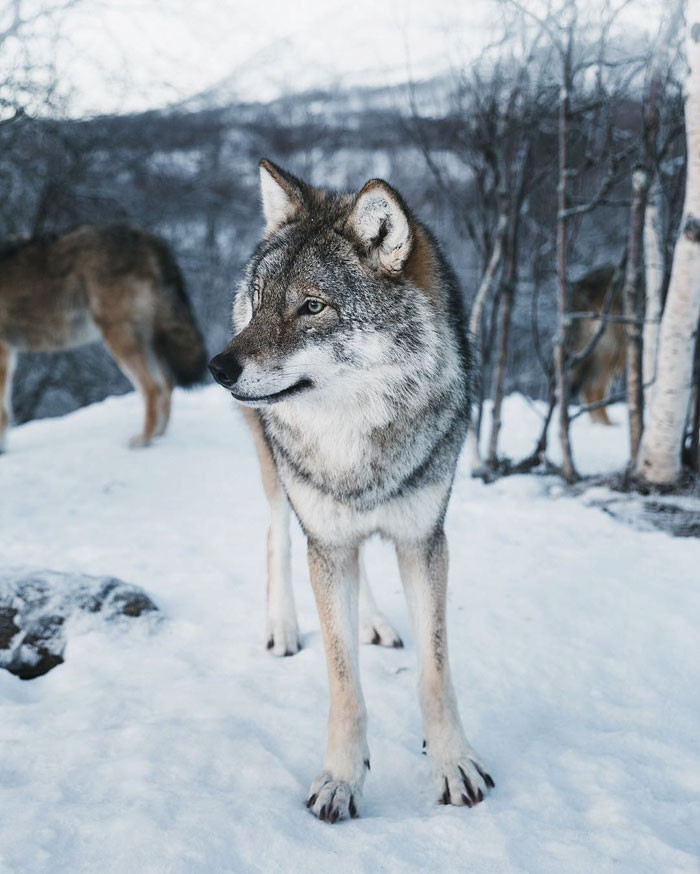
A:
{"x": 640, "y": 365}
{"x": 519, "y": 182}
{"x": 29, "y": 34}
{"x": 486, "y": 286}
{"x": 659, "y": 459}
{"x": 658, "y": 92}
{"x": 694, "y": 438}
{"x": 631, "y": 299}
{"x": 565, "y": 48}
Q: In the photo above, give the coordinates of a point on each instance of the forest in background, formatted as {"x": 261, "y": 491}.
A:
{"x": 477, "y": 154}
{"x": 192, "y": 177}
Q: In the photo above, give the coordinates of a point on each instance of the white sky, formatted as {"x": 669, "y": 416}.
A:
{"x": 128, "y": 55}
{"x": 139, "y": 53}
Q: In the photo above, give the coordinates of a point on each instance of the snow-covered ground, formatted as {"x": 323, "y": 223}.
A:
{"x": 183, "y": 746}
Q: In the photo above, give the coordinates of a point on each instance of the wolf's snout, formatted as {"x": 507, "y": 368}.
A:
{"x": 225, "y": 369}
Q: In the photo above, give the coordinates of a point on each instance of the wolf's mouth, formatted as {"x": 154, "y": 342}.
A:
{"x": 298, "y": 387}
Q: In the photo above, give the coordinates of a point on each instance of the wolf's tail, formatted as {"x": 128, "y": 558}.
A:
{"x": 177, "y": 339}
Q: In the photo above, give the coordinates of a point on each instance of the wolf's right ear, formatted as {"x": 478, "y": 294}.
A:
{"x": 282, "y": 196}
{"x": 379, "y": 224}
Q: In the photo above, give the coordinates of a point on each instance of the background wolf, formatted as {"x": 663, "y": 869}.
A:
{"x": 349, "y": 345}
{"x": 599, "y": 291}
{"x": 115, "y": 282}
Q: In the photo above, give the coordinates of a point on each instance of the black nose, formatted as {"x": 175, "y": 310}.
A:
{"x": 225, "y": 369}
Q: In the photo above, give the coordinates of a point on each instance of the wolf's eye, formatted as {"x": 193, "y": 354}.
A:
{"x": 311, "y": 307}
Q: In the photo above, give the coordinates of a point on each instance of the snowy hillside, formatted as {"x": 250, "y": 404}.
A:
{"x": 183, "y": 746}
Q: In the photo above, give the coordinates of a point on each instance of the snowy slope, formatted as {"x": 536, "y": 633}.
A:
{"x": 186, "y": 747}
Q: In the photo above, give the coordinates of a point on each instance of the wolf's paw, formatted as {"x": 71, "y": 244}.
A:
{"x": 283, "y": 638}
{"x": 331, "y": 800}
{"x": 378, "y": 630}
{"x": 138, "y": 441}
{"x": 463, "y": 782}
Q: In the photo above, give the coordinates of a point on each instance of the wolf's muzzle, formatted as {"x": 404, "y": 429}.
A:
{"x": 225, "y": 368}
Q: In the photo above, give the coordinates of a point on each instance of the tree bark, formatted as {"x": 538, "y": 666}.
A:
{"x": 654, "y": 272}
{"x": 654, "y": 245}
{"x": 695, "y": 419}
{"x": 660, "y": 452}
{"x": 517, "y": 185}
{"x": 487, "y": 280}
{"x": 475, "y": 319}
{"x": 560, "y": 345}
{"x": 633, "y": 334}
{"x": 510, "y": 278}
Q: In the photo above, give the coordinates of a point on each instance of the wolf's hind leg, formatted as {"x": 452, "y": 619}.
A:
{"x": 335, "y": 793}
{"x": 459, "y": 777}
{"x": 6, "y": 365}
{"x": 166, "y": 395}
{"x": 374, "y": 626}
{"x": 137, "y": 361}
{"x": 281, "y": 629}
{"x": 593, "y": 394}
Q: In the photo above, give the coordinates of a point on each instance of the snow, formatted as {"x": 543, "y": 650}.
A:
{"x": 185, "y": 747}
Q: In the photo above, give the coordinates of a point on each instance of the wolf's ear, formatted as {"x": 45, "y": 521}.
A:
{"x": 282, "y": 196}
{"x": 380, "y": 225}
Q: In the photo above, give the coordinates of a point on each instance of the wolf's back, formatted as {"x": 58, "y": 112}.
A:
{"x": 177, "y": 337}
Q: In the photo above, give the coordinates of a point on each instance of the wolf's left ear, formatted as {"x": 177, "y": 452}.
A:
{"x": 379, "y": 224}
{"x": 282, "y": 196}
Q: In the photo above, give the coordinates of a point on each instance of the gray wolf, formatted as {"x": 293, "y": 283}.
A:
{"x": 113, "y": 282}
{"x": 350, "y": 358}
{"x": 592, "y": 376}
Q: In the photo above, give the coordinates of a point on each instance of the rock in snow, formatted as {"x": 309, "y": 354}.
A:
{"x": 36, "y": 606}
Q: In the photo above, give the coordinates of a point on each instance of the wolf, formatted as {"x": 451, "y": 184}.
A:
{"x": 350, "y": 357}
{"x": 599, "y": 291}
{"x": 115, "y": 282}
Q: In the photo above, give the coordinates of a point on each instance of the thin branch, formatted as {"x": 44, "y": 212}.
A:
{"x": 612, "y": 177}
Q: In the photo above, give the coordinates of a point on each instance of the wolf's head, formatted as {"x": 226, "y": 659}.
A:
{"x": 341, "y": 288}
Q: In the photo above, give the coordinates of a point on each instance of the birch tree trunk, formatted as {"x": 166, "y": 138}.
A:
{"x": 695, "y": 418}
{"x": 660, "y": 452}
{"x": 633, "y": 334}
{"x": 654, "y": 271}
{"x": 560, "y": 345}
{"x": 654, "y": 248}
{"x": 508, "y": 293}
{"x": 475, "y": 318}
{"x": 517, "y": 185}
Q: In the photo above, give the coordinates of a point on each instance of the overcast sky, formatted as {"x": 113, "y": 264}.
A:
{"x": 128, "y": 55}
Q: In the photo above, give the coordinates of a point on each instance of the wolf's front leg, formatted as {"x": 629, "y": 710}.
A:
{"x": 460, "y": 778}
{"x": 335, "y": 792}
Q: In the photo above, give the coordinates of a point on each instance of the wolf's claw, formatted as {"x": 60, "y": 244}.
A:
{"x": 463, "y": 782}
{"x": 332, "y": 800}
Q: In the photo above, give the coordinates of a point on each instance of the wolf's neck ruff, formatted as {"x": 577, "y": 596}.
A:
{"x": 392, "y": 435}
